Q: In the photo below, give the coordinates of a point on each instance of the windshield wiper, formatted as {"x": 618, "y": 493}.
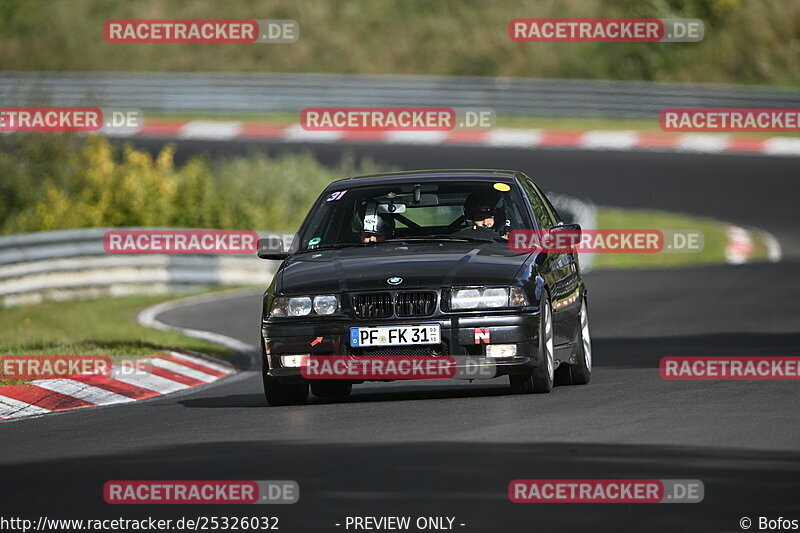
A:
{"x": 421, "y": 238}
{"x": 439, "y": 238}
{"x": 338, "y": 246}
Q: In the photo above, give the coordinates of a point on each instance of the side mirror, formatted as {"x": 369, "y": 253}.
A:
{"x": 272, "y": 248}
{"x": 567, "y": 228}
{"x": 569, "y": 233}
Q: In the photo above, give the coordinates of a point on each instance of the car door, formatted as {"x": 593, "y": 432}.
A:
{"x": 558, "y": 269}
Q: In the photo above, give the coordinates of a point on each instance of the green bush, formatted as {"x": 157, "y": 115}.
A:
{"x": 66, "y": 181}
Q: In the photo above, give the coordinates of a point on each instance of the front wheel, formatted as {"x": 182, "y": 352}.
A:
{"x": 580, "y": 372}
{"x": 278, "y": 393}
{"x": 541, "y": 379}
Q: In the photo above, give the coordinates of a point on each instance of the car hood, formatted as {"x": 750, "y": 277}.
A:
{"x": 418, "y": 265}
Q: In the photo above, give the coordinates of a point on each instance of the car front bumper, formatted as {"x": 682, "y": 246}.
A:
{"x": 465, "y": 338}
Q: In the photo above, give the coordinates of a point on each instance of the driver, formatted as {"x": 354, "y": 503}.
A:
{"x": 481, "y": 209}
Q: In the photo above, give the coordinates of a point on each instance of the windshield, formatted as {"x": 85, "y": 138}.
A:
{"x": 427, "y": 211}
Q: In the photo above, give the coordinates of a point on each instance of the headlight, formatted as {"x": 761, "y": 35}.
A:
{"x": 325, "y": 305}
{"x": 488, "y": 298}
{"x": 466, "y": 299}
{"x": 495, "y": 297}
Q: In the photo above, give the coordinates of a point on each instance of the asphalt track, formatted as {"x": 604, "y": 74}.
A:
{"x": 450, "y": 449}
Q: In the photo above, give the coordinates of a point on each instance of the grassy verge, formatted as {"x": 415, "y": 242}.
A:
{"x": 106, "y": 326}
{"x": 608, "y": 124}
{"x": 286, "y": 118}
{"x": 714, "y": 238}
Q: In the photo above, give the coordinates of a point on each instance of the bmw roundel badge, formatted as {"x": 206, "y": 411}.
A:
{"x": 394, "y": 280}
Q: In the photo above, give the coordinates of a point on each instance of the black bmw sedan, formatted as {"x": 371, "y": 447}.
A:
{"x": 416, "y": 267}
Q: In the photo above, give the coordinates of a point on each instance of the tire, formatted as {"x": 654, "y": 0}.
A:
{"x": 580, "y": 372}
{"x": 278, "y": 393}
{"x": 331, "y": 388}
{"x": 541, "y": 379}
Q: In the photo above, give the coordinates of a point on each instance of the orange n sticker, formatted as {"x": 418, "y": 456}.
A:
{"x": 482, "y": 335}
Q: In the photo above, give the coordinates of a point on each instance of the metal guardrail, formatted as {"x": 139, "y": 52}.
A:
{"x": 61, "y": 265}
{"x": 263, "y": 93}
{"x": 67, "y": 264}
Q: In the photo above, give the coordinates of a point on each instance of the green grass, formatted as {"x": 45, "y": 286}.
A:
{"x": 599, "y": 123}
{"x": 714, "y": 239}
{"x": 746, "y": 41}
{"x": 286, "y": 118}
{"x": 106, "y": 326}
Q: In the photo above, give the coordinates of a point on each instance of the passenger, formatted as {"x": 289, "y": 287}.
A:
{"x": 377, "y": 228}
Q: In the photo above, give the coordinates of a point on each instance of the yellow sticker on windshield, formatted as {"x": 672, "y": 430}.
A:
{"x": 503, "y": 187}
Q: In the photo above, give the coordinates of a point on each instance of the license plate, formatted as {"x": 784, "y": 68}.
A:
{"x": 395, "y": 335}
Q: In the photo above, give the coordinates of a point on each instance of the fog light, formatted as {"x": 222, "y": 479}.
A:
{"x": 294, "y": 361}
{"x": 501, "y": 350}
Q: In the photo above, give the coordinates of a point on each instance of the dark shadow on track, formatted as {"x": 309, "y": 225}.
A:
{"x": 411, "y": 391}
{"x": 225, "y": 402}
{"x": 647, "y": 352}
{"x": 635, "y": 353}
{"x": 465, "y": 480}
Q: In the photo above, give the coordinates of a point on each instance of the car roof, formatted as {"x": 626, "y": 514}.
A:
{"x": 505, "y": 176}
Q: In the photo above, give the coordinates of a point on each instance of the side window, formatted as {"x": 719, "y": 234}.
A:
{"x": 544, "y": 219}
{"x": 548, "y": 206}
